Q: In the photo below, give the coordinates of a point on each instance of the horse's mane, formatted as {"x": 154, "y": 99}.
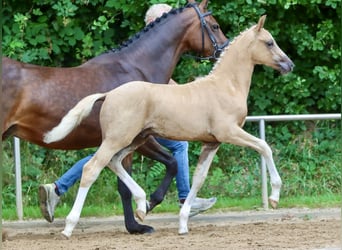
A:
{"x": 227, "y": 48}
{"x": 147, "y": 28}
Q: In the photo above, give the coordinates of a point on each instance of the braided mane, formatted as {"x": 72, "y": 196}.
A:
{"x": 147, "y": 28}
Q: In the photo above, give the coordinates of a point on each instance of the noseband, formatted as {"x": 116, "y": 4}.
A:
{"x": 218, "y": 48}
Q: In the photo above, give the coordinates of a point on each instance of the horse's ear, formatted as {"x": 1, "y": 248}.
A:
{"x": 191, "y": 1}
{"x": 261, "y": 22}
{"x": 204, "y": 4}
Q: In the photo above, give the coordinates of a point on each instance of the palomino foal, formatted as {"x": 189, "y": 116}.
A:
{"x": 211, "y": 109}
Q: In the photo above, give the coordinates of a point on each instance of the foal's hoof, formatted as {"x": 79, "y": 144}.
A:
{"x": 140, "y": 215}
{"x": 273, "y": 203}
{"x": 183, "y": 232}
{"x": 64, "y": 235}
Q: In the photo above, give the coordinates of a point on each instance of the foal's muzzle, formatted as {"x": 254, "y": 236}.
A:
{"x": 285, "y": 66}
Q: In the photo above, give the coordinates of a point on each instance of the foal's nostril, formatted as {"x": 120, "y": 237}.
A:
{"x": 292, "y": 65}
{"x": 286, "y": 66}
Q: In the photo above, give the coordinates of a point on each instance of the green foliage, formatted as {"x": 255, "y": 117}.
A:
{"x": 69, "y": 32}
{"x": 308, "y": 159}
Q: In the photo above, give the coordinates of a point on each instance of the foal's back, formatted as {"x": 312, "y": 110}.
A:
{"x": 160, "y": 109}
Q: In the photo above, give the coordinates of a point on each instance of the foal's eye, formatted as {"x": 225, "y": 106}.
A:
{"x": 269, "y": 43}
{"x": 215, "y": 27}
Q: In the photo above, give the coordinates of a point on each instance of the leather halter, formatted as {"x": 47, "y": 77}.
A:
{"x": 218, "y": 48}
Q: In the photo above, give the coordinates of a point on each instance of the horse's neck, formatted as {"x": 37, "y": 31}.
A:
{"x": 156, "y": 53}
{"x": 235, "y": 67}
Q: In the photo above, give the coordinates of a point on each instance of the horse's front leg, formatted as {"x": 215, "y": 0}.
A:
{"x": 240, "y": 137}
{"x": 153, "y": 150}
{"x": 90, "y": 173}
{"x": 206, "y": 157}
{"x": 131, "y": 224}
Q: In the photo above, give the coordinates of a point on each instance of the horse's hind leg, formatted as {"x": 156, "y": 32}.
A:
{"x": 207, "y": 154}
{"x": 132, "y": 226}
{"x": 153, "y": 150}
{"x": 90, "y": 173}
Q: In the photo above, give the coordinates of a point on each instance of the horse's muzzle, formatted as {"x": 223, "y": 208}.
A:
{"x": 285, "y": 66}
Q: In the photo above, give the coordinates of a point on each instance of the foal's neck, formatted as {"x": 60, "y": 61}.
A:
{"x": 235, "y": 66}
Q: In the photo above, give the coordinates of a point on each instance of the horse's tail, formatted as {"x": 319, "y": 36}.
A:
{"x": 73, "y": 118}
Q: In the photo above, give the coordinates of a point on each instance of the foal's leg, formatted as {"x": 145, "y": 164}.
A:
{"x": 207, "y": 154}
{"x": 116, "y": 166}
{"x": 90, "y": 173}
{"x": 138, "y": 193}
{"x": 242, "y": 138}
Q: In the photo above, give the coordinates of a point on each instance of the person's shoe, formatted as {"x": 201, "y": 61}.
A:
{"x": 200, "y": 205}
{"x": 48, "y": 200}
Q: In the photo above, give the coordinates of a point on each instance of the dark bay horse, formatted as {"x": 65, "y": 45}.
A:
{"x": 35, "y": 98}
{"x": 211, "y": 109}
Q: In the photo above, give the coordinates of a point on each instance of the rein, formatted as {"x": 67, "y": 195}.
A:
{"x": 218, "y": 48}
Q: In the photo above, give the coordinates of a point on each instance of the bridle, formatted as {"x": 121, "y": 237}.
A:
{"x": 218, "y": 48}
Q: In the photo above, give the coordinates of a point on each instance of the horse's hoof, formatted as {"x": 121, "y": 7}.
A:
{"x": 273, "y": 203}
{"x": 147, "y": 230}
{"x": 64, "y": 236}
{"x": 140, "y": 229}
{"x": 181, "y": 232}
{"x": 183, "y": 229}
{"x": 140, "y": 215}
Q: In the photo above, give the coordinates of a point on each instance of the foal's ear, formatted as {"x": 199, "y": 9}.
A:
{"x": 204, "y": 4}
{"x": 261, "y": 22}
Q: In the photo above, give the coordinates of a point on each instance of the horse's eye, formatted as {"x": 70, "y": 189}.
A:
{"x": 269, "y": 43}
{"x": 215, "y": 27}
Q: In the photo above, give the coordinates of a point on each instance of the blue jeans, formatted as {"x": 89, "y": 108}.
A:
{"x": 179, "y": 150}
{"x": 70, "y": 177}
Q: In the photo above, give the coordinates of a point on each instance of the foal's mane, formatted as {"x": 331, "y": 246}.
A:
{"x": 147, "y": 28}
{"x": 242, "y": 33}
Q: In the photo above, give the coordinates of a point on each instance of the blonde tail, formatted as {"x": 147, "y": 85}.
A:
{"x": 73, "y": 118}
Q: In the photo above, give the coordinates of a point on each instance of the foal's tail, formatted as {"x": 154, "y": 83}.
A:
{"x": 73, "y": 118}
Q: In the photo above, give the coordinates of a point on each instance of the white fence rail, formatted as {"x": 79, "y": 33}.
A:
{"x": 261, "y": 119}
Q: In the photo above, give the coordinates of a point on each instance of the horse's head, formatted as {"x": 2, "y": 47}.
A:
{"x": 205, "y": 35}
{"x": 266, "y": 51}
